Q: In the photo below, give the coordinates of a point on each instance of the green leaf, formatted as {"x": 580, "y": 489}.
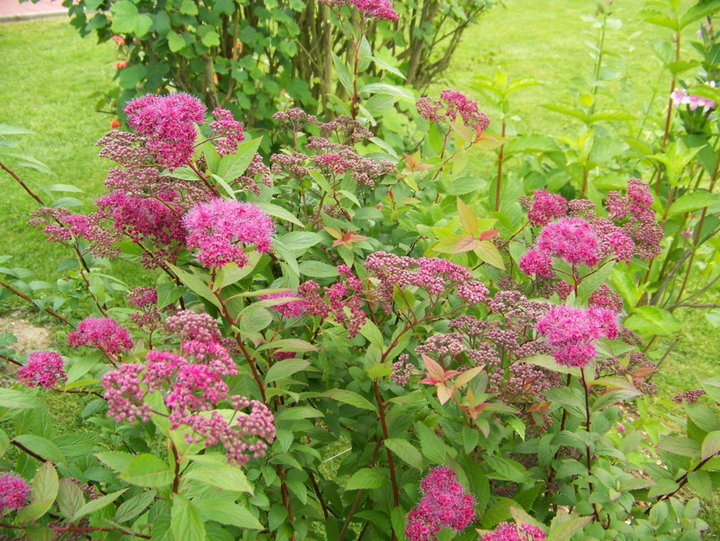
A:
{"x": 168, "y": 294}
{"x": 284, "y": 369}
{"x": 175, "y": 42}
{"x": 388, "y": 90}
{"x": 45, "y": 486}
{"x": 279, "y": 212}
{"x": 115, "y": 460}
{"x": 234, "y": 165}
{"x": 223, "y": 476}
{"x": 70, "y": 498}
{"x": 317, "y": 269}
{"x": 296, "y": 413}
{"x": 147, "y": 471}
{"x": 96, "y": 505}
{"x": 254, "y": 319}
{"x": 10, "y": 398}
{"x": 651, "y": 320}
{"x": 663, "y": 486}
{"x": 125, "y": 15}
{"x": 367, "y": 478}
{"x": 680, "y": 446}
{"x": 350, "y": 397}
{"x": 692, "y": 201}
{"x": 701, "y": 482}
{"x": 41, "y": 446}
{"x": 433, "y": 448}
{"x": 406, "y": 451}
{"x": 564, "y": 526}
{"x": 131, "y": 508}
{"x": 295, "y": 345}
{"x": 227, "y": 512}
{"x": 488, "y": 252}
{"x": 185, "y": 521}
{"x": 300, "y": 241}
{"x": 710, "y": 445}
{"x": 195, "y": 284}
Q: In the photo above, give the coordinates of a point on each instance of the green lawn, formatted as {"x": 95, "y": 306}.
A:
{"x": 50, "y": 78}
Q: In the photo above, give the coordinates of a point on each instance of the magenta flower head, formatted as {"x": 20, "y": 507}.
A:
{"x": 43, "y": 369}
{"x": 101, "y": 333}
{"x": 168, "y": 123}
{"x": 546, "y": 207}
{"x": 14, "y": 492}
{"x": 444, "y": 503}
{"x": 223, "y": 230}
{"x": 294, "y": 307}
{"x": 572, "y": 332}
{"x": 572, "y": 239}
{"x": 226, "y": 132}
{"x": 377, "y": 9}
{"x": 506, "y": 531}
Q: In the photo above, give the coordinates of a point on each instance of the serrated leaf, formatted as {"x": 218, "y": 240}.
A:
{"x": 185, "y": 521}
{"x": 223, "y": 476}
{"x": 350, "y": 397}
{"x": 115, "y": 460}
{"x": 131, "y": 508}
{"x": 41, "y": 446}
{"x": 284, "y": 369}
{"x": 45, "y": 486}
{"x": 70, "y": 498}
{"x": 227, "y": 512}
{"x": 406, "y": 451}
{"x": 96, "y": 505}
{"x": 147, "y": 471}
{"x": 710, "y": 445}
{"x": 367, "y": 478}
{"x": 10, "y": 398}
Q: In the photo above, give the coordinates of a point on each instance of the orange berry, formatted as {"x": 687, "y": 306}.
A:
{"x": 115, "y": 123}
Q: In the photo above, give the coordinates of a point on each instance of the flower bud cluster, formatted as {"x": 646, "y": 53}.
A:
{"x": 43, "y": 369}
{"x": 506, "y": 531}
{"x": 101, "y": 333}
{"x": 451, "y": 104}
{"x": 444, "y": 503}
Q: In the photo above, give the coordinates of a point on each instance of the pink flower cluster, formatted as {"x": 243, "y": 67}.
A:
{"x": 546, "y": 207}
{"x": 690, "y": 396}
{"x": 102, "y": 333}
{"x": 226, "y": 132}
{"x": 577, "y": 241}
{"x": 218, "y": 227}
{"x": 572, "y": 332}
{"x": 43, "y": 369}
{"x": 193, "y": 387}
{"x": 506, "y": 531}
{"x": 681, "y": 97}
{"x": 444, "y": 503}
{"x": 342, "y": 300}
{"x": 451, "y": 104}
{"x": 294, "y": 307}
{"x": 168, "y": 122}
{"x": 377, "y": 9}
{"x": 14, "y": 492}
{"x": 435, "y": 276}
{"x": 635, "y": 209}
{"x": 145, "y": 299}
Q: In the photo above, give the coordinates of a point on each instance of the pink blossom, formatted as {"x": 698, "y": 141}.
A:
{"x": 444, "y": 503}
{"x": 226, "y": 132}
{"x": 101, "y": 333}
{"x": 43, "y": 369}
{"x": 377, "y": 9}
{"x": 546, "y": 207}
{"x": 571, "y": 239}
{"x": 451, "y": 104}
{"x": 682, "y": 97}
{"x": 168, "y": 123}
{"x": 294, "y": 307}
{"x": 14, "y": 492}
{"x": 572, "y": 332}
{"x": 538, "y": 263}
{"x": 223, "y": 230}
{"x": 506, "y": 531}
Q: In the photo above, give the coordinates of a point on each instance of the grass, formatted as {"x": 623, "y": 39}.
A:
{"x": 51, "y": 78}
